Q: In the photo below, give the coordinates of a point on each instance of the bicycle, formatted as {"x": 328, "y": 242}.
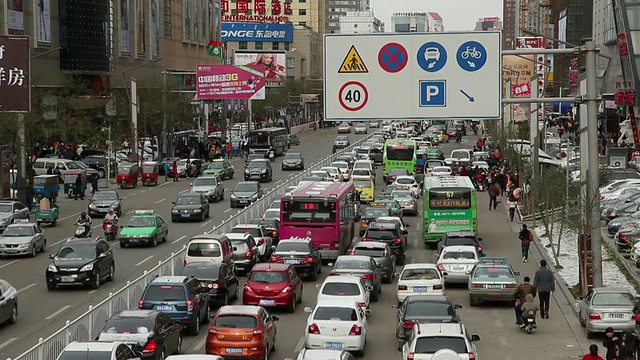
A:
{"x": 471, "y": 51}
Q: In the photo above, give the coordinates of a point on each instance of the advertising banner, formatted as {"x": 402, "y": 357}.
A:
{"x": 16, "y": 17}
{"x": 519, "y": 70}
{"x": 15, "y": 83}
{"x": 257, "y": 32}
{"x": 531, "y": 43}
{"x": 441, "y": 221}
{"x": 44, "y": 21}
{"x": 274, "y": 62}
{"x": 230, "y": 82}
{"x": 124, "y": 27}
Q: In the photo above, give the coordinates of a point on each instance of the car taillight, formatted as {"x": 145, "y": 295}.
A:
{"x": 352, "y": 253}
{"x": 274, "y": 233}
{"x": 402, "y": 287}
{"x": 612, "y": 214}
{"x": 286, "y": 289}
{"x": 185, "y": 263}
{"x": 415, "y": 186}
{"x": 257, "y": 331}
{"x": 368, "y": 277}
{"x": 441, "y": 267}
{"x": 248, "y": 255}
{"x": 334, "y": 246}
{"x": 398, "y": 240}
{"x": 212, "y": 330}
{"x": 408, "y": 324}
{"x": 479, "y": 248}
{"x": 308, "y": 259}
{"x": 437, "y": 287}
{"x": 355, "y": 330}
{"x": 410, "y": 356}
{"x": 361, "y": 304}
{"x": 364, "y": 221}
{"x": 334, "y": 274}
{"x": 365, "y": 239}
{"x": 511, "y": 286}
{"x": 313, "y": 329}
{"x": 472, "y": 356}
{"x": 276, "y": 259}
{"x": 212, "y": 285}
{"x": 637, "y": 317}
{"x": 593, "y": 316}
{"x": 140, "y": 304}
{"x": 189, "y": 305}
{"x": 624, "y": 238}
{"x": 261, "y": 241}
{"x": 477, "y": 286}
{"x": 150, "y": 348}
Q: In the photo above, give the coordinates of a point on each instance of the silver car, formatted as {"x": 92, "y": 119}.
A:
{"x": 342, "y": 142}
{"x": 210, "y": 186}
{"x": 10, "y": 211}
{"x": 360, "y": 129}
{"x": 406, "y": 200}
{"x": 22, "y": 238}
{"x": 607, "y": 307}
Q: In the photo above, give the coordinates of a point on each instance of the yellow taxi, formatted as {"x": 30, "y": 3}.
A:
{"x": 367, "y": 188}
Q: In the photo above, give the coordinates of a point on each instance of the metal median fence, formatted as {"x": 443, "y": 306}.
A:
{"x": 88, "y": 325}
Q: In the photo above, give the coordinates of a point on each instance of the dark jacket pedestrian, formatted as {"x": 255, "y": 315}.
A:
{"x": 526, "y": 237}
{"x": 626, "y": 345}
{"x": 611, "y": 344}
{"x": 78, "y": 188}
{"x": 546, "y": 283}
{"x": 493, "y": 197}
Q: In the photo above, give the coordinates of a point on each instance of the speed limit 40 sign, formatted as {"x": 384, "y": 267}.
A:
{"x": 353, "y": 96}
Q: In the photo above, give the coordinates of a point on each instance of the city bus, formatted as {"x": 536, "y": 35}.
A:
{"x": 324, "y": 211}
{"x": 399, "y": 153}
{"x": 449, "y": 205}
{"x": 260, "y": 141}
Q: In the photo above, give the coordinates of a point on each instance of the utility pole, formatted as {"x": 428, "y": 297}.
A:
{"x": 134, "y": 119}
{"x": 165, "y": 134}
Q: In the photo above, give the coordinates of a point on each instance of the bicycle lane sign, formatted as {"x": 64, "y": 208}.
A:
{"x": 471, "y": 56}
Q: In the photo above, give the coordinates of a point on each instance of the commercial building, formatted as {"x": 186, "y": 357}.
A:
{"x": 338, "y": 8}
{"x": 509, "y": 24}
{"x": 488, "y": 24}
{"x": 360, "y": 22}
{"x": 409, "y": 22}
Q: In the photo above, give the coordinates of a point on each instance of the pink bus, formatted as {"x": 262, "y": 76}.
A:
{"x": 325, "y": 210}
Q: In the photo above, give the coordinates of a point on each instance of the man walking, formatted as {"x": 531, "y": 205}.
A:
{"x": 546, "y": 284}
{"x": 493, "y": 196}
{"x": 526, "y": 237}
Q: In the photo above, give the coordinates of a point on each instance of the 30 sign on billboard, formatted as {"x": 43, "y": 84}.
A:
{"x": 230, "y": 82}
{"x": 15, "y": 84}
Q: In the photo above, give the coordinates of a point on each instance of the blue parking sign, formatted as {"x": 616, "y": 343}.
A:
{"x": 433, "y": 93}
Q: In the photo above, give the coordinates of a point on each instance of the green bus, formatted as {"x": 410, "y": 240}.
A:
{"x": 399, "y": 153}
{"x": 449, "y": 205}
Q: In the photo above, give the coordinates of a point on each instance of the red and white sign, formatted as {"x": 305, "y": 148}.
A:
{"x": 353, "y": 96}
{"x": 518, "y": 90}
{"x": 280, "y": 11}
{"x": 490, "y": 19}
{"x": 531, "y": 43}
{"x": 541, "y": 61}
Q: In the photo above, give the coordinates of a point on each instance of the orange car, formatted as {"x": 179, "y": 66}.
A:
{"x": 242, "y": 331}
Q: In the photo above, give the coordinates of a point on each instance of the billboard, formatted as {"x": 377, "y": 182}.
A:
{"x": 274, "y": 61}
{"x": 15, "y": 17}
{"x": 230, "y": 82}
{"x": 562, "y": 29}
{"x": 15, "y": 82}
{"x": 257, "y": 32}
{"x": 531, "y": 43}
{"x": 519, "y": 70}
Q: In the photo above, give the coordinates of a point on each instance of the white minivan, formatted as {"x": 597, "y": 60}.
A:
{"x": 209, "y": 248}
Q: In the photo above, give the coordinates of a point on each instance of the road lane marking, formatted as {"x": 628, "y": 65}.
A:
{"x": 68, "y": 217}
{"x": 229, "y": 209}
{"x": 299, "y": 345}
{"x": 183, "y": 191}
{"x": 9, "y": 263}
{"x": 92, "y": 291}
{"x": 200, "y": 344}
{"x": 24, "y": 289}
{"x": 159, "y": 201}
{"x": 503, "y": 341}
{"x": 178, "y": 239}
{"x": 64, "y": 308}
{"x": 4, "y": 344}
{"x": 144, "y": 260}
{"x": 206, "y": 223}
{"x": 498, "y": 323}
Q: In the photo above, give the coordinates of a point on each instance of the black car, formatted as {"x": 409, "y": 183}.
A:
{"x": 294, "y": 139}
{"x": 389, "y": 233}
{"x": 381, "y": 254}
{"x": 459, "y": 238}
{"x": 423, "y": 309}
{"x": 272, "y": 226}
{"x": 302, "y": 254}
{"x": 9, "y": 303}
{"x": 101, "y": 163}
{"x": 245, "y": 252}
{"x": 293, "y": 161}
{"x": 195, "y": 205}
{"x": 102, "y": 201}
{"x": 394, "y": 173}
{"x": 81, "y": 262}
{"x": 252, "y": 157}
{"x": 216, "y": 278}
{"x": 245, "y": 193}
{"x": 92, "y": 174}
{"x": 614, "y": 225}
{"x": 149, "y": 332}
{"x": 258, "y": 170}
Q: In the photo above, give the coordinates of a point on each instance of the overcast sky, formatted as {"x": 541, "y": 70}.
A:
{"x": 456, "y": 14}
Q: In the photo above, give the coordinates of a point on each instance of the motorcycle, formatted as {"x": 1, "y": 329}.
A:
{"x": 110, "y": 229}
{"x": 272, "y": 156}
{"x": 529, "y": 322}
{"x": 83, "y": 230}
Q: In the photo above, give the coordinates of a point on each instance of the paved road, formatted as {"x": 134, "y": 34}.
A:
{"x": 43, "y": 312}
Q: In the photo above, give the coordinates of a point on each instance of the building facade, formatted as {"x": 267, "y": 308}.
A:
{"x": 360, "y": 22}
{"x": 409, "y": 22}
{"x": 509, "y": 24}
{"x": 434, "y": 22}
{"x": 338, "y": 8}
{"x": 488, "y": 24}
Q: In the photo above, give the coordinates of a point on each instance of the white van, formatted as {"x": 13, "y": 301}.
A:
{"x": 209, "y": 247}
{"x": 41, "y": 165}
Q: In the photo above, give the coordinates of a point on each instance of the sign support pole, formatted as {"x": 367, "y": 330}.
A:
{"x": 134, "y": 119}
{"x": 21, "y": 181}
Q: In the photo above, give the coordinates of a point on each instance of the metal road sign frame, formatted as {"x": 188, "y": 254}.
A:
{"x": 440, "y": 79}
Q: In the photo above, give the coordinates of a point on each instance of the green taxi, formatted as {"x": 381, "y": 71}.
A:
{"x": 390, "y": 203}
{"x": 144, "y": 228}
{"x": 434, "y": 153}
{"x": 220, "y": 167}
{"x": 492, "y": 279}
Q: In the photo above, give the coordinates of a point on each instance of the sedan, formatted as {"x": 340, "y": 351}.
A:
{"x": 456, "y": 262}
{"x": 360, "y": 129}
{"x": 302, "y": 254}
{"x": 343, "y": 166}
{"x": 452, "y": 133}
{"x": 607, "y": 307}
{"x": 623, "y": 211}
{"x": 271, "y": 285}
{"x": 102, "y": 201}
{"x": 21, "y": 239}
{"x": 363, "y": 267}
{"x": 190, "y": 206}
{"x": 293, "y": 161}
{"x": 323, "y": 354}
{"x": 381, "y": 254}
{"x": 614, "y": 225}
{"x": 10, "y": 211}
{"x": 335, "y": 172}
{"x": 337, "y": 325}
{"x": 419, "y": 279}
{"x": 391, "y": 176}
{"x": 9, "y": 303}
{"x": 407, "y": 201}
{"x": 411, "y": 182}
{"x": 441, "y": 171}
{"x": 344, "y": 128}
{"x": 627, "y": 236}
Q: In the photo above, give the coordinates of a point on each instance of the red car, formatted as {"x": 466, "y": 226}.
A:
{"x": 452, "y": 133}
{"x": 273, "y": 284}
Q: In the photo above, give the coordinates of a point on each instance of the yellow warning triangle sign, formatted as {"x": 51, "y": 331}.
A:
{"x": 353, "y": 63}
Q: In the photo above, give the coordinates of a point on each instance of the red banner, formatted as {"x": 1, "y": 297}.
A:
{"x": 523, "y": 89}
{"x": 585, "y": 263}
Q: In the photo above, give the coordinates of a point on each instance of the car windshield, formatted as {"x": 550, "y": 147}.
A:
{"x": 292, "y": 246}
{"x": 6, "y": 208}
{"x": 128, "y": 325}
{"x": 611, "y": 299}
{"x": 493, "y": 274}
{"x": 369, "y": 251}
{"x": 104, "y": 196}
{"x": 420, "y": 274}
{"x": 77, "y": 252}
{"x": 405, "y": 181}
{"x": 335, "y": 313}
{"x": 292, "y": 156}
{"x": 205, "y": 181}
{"x": 257, "y": 164}
{"x": 268, "y": 277}
{"x": 204, "y": 250}
{"x": 15, "y": 230}
{"x": 268, "y": 223}
{"x": 375, "y": 212}
{"x": 215, "y": 166}
{"x": 330, "y": 170}
{"x": 430, "y": 308}
{"x": 201, "y": 272}
{"x": 362, "y": 184}
{"x": 141, "y": 222}
{"x": 341, "y": 289}
{"x": 340, "y": 165}
{"x": 246, "y": 188}
{"x": 459, "y": 255}
{"x": 235, "y": 322}
{"x": 381, "y": 234}
{"x": 431, "y": 344}
{"x": 188, "y": 200}
{"x": 157, "y": 292}
{"x": 342, "y": 138}
{"x": 361, "y": 172}
{"x": 398, "y": 172}
{"x": 82, "y": 355}
{"x": 401, "y": 194}
{"x": 255, "y": 232}
{"x": 352, "y": 264}
{"x": 240, "y": 245}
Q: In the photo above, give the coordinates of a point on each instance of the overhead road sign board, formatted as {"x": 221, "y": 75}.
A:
{"x": 413, "y": 76}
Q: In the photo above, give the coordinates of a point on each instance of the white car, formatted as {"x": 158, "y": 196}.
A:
{"x": 456, "y": 262}
{"x": 360, "y": 173}
{"x": 411, "y": 182}
{"x": 441, "y": 171}
{"x": 374, "y": 124}
{"x": 482, "y": 165}
{"x": 419, "y": 279}
{"x": 333, "y": 171}
{"x": 271, "y": 214}
{"x": 324, "y": 354}
{"x": 343, "y": 166}
{"x": 337, "y": 324}
{"x": 364, "y": 164}
{"x": 426, "y": 341}
{"x": 344, "y": 288}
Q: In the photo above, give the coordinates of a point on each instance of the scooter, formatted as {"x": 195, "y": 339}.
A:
{"x": 272, "y": 156}
{"x": 83, "y": 230}
{"x": 529, "y": 322}
{"x": 110, "y": 229}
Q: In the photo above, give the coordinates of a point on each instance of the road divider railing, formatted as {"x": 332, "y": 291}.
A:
{"x": 88, "y": 325}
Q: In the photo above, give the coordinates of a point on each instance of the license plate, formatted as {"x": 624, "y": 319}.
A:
{"x": 458, "y": 268}
{"x": 133, "y": 240}
{"x": 291, "y": 261}
{"x": 333, "y": 345}
{"x": 164, "y": 308}
{"x": 242, "y": 201}
{"x": 67, "y": 279}
{"x": 11, "y": 251}
{"x": 233, "y": 350}
{"x": 420, "y": 289}
{"x": 616, "y": 316}
{"x": 494, "y": 286}
{"x": 185, "y": 215}
{"x": 265, "y": 302}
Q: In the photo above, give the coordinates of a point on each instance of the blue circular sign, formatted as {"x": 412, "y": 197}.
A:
{"x": 471, "y": 56}
{"x": 432, "y": 57}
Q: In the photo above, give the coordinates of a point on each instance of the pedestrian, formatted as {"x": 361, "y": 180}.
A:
{"x": 512, "y": 203}
{"x": 77, "y": 187}
{"x": 626, "y": 346}
{"x": 611, "y": 344}
{"x": 94, "y": 184}
{"x": 526, "y": 237}
{"x": 167, "y": 170}
{"x": 546, "y": 284}
{"x": 229, "y": 150}
{"x": 493, "y": 196}
{"x": 520, "y": 295}
{"x": 174, "y": 171}
{"x": 593, "y": 353}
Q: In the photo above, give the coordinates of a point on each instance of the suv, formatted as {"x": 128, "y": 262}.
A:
{"x": 180, "y": 297}
{"x": 259, "y": 170}
{"x": 460, "y": 238}
{"x": 261, "y": 235}
{"x": 423, "y": 309}
{"x": 81, "y": 262}
{"x": 389, "y": 233}
{"x": 245, "y": 252}
{"x": 427, "y": 339}
{"x": 210, "y": 186}
{"x": 302, "y": 254}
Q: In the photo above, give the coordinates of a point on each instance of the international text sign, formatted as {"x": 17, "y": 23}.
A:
{"x": 230, "y": 82}
{"x": 412, "y": 76}
{"x": 15, "y": 84}
{"x": 257, "y": 32}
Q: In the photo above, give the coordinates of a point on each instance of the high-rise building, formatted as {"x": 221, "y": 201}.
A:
{"x": 339, "y": 8}
{"x": 409, "y": 22}
{"x": 434, "y": 22}
{"x": 488, "y": 23}
{"x": 360, "y": 22}
{"x": 509, "y": 24}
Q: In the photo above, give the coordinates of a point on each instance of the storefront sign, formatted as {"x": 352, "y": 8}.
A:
{"x": 257, "y": 32}
{"x": 15, "y": 82}
{"x": 257, "y": 11}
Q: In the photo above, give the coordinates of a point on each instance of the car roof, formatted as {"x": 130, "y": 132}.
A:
{"x": 237, "y": 236}
{"x": 239, "y": 310}
{"x": 611, "y": 290}
{"x": 169, "y": 280}
{"x": 342, "y": 279}
{"x": 322, "y": 354}
{"x": 17, "y": 224}
{"x": 295, "y": 240}
{"x": 247, "y": 182}
{"x": 377, "y": 244}
{"x": 420, "y": 266}
{"x": 138, "y": 314}
{"x": 461, "y": 234}
{"x": 91, "y": 345}
{"x": 275, "y": 267}
{"x": 389, "y": 219}
{"x": 247, "y": 226}
{"x": 459, "y": 248}
{"x": 337, "y": 303}
{"x": 81, "y": 241}
{"x": 405, "y": 177}
{"x": 355, "y": 257}
{"x": 428, "y": 298}
{"x": 432, "y": 329}
{"x": 210, "y": 265}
